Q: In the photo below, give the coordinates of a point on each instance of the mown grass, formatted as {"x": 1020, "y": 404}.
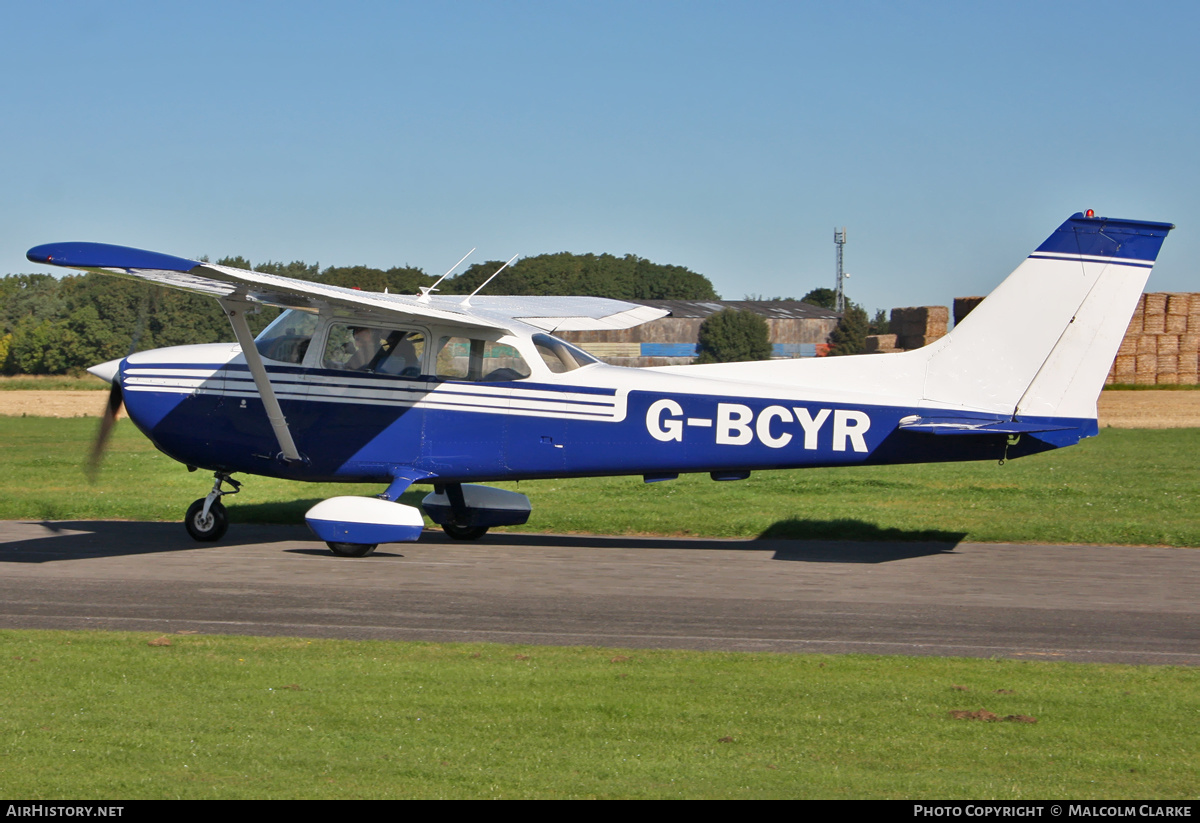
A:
{"x": 112, "y": 715}
{"x": 1138, "y": 487}
{"x": 52, "y": 382}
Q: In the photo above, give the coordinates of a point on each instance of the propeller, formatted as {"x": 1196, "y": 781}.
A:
{"x": 110, "y": 372}
{"x": 105, "y": 371}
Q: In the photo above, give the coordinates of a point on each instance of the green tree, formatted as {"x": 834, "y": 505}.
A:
{"x": 297, "y": 269}
{"x": 825, "y": 298}
{"x": 604, "y": 275}
{"x": 850, "y": 335}
{"x": 880, "y": 323}
{"x": 734, "y": 336}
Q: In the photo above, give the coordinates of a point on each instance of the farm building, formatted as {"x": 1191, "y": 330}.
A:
{"x": 795, "y": 329}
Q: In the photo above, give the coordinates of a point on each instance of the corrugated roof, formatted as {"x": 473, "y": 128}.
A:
{"x": 772, "y": 309}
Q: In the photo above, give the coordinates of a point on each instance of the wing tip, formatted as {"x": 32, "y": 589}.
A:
{"x": 80, "y": 255}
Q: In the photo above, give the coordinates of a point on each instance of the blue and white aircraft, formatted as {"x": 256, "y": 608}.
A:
{"x": 356, "y": 386}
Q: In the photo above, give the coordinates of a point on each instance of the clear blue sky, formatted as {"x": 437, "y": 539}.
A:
{"x": 731, "y": 138}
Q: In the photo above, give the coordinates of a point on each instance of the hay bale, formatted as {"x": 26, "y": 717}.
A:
{"x": 1189, "y": 343}
{"x": 1168, "y": 344}
{"x": 964, "y": 306}
{"x": 1129, "y": 345}
{"x": 1154, "y": 323}
{"x": 1135, "y": 324}
{"x": 920, "y": 341}
{"x": 1175, "y": 324}
{"x": 1168, "y": 364}
{"x": 1125, "y": 368}
{"x": 920, "y": 320}
{"x": 1179, "y": 303}
{"x": 1147, "y": 344}
{"x": 1156, "y": 303}
{"x": 880, "y": 343}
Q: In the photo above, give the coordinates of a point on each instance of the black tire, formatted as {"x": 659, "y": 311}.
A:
{"x": 351, "y": 549}
{"x": 464, "y": 532}
{"x": 212, "y": 529}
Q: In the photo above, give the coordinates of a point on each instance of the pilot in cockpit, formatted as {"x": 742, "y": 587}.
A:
{"x": 366, "y": 345}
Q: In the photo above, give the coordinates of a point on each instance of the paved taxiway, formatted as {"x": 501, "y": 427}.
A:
{"x": 1082, "y": 603}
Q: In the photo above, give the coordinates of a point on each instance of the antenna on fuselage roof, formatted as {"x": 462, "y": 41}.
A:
{"x": 427, "y": 290}
{"x": 466, "y": 301}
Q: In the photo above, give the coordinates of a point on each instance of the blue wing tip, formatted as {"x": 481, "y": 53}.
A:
{"x": 105, "y": 256}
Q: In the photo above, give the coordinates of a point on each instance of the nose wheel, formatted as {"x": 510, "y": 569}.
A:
{"x": 206, "y": 519}
{"x": 206, "y": 527}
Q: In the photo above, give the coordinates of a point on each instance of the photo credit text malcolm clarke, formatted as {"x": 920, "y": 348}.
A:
{"x": 1053, "y": 809}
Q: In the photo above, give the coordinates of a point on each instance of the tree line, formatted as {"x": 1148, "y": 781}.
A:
{"x": 62, "y": 325}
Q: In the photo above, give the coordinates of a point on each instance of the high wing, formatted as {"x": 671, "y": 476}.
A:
{"x": 502, "y": 313}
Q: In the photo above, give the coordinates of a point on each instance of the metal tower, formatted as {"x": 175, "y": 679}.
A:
{"x": 839, "y": 239}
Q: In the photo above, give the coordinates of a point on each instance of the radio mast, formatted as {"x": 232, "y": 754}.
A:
{"x": 839, "y": 239}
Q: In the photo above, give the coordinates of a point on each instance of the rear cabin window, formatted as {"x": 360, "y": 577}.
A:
{"x": 374, "y": 350}
{"x": 479, "y": 361}
{"x": 286, "y": 339}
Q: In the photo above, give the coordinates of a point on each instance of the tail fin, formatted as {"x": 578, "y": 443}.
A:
{"x": 1042, "y": 343}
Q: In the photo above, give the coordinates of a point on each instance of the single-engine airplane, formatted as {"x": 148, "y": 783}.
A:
{"x": 392, "y": 389}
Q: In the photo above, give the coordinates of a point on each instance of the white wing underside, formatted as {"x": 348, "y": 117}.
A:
{"x": 506, "y": 314}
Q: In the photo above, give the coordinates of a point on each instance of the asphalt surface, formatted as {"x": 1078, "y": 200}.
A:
{"x": 1079, "y": 603}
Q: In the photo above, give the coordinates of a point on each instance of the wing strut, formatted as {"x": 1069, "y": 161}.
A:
{"x": 235, "y": 310}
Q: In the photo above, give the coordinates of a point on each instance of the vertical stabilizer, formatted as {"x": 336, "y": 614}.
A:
{"x": 1042, "y": 343}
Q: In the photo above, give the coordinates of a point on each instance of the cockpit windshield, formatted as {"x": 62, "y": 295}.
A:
{"x": 286, "y": 340}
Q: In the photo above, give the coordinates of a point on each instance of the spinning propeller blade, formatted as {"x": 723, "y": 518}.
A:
{"x": 111, "y": 409}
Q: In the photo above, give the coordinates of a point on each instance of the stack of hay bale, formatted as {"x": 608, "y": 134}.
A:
{"x": 964, "y": 306}
{"x": 880, "y": 344}
{"x": 919, "y": 326}
{"x": 1161, "y": 343}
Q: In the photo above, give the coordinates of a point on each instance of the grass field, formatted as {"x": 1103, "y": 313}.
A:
{"x": 52, "y": 382}
{"x": 108, "y": 715}
{"x": 1126, "y": 486}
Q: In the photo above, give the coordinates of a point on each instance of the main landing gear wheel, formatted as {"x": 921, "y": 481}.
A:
{"x": 351, "y": 549}
{"x": 206, "y": 529}
{"x": 464, "y": 532}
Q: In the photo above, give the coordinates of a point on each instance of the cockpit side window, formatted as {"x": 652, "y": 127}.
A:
{"x": 479, "y": 361}
{"x": 560, "y": 356}
{"x": 374, "y": 350}
{"x": 286, "y": 340}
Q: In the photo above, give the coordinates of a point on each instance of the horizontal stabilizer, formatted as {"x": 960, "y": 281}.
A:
{"x": 973, "y": 425}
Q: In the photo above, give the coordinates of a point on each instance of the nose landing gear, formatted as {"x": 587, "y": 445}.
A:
{"x": 206, "y": 519}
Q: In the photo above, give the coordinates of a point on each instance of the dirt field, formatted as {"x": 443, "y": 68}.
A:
{"x": 1119, "y": 409}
